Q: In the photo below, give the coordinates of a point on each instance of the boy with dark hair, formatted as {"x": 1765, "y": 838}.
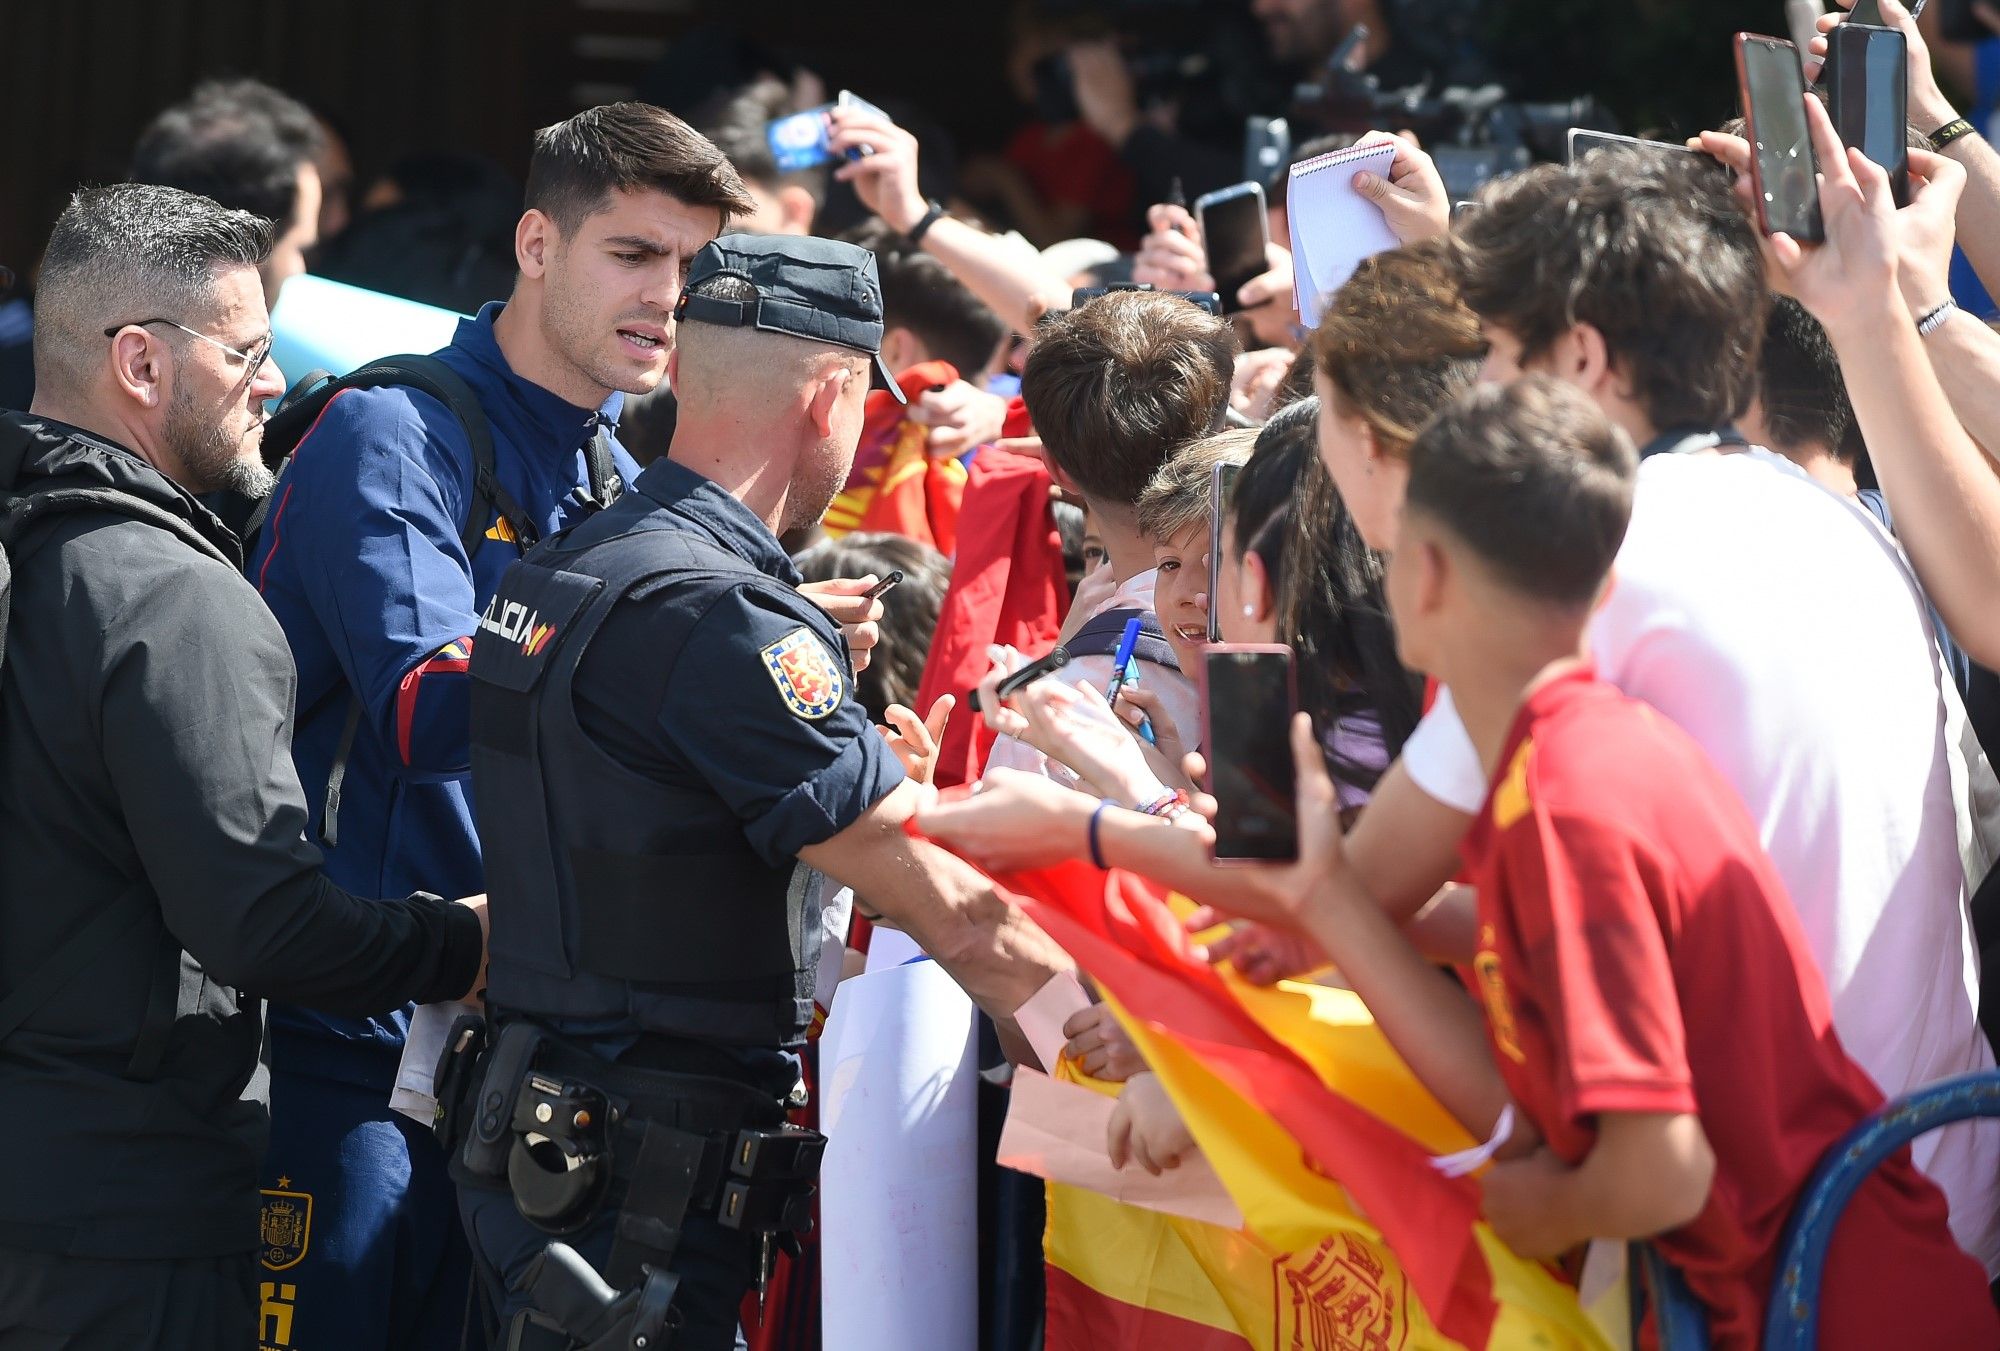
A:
{"x": 1616, "y": 263}
{"x": 1800, "y": 409}
{"x": 1115, "y": 387}
{"x": 784, "y": 202}
{"x": 1651, "y": 1006}
{"x": 1753, "y": 609}
{"x": 363, "y": 563}
{"x": 928, "y": 314}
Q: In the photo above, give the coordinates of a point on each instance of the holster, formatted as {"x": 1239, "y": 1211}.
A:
{"x": 561, "y": 1128}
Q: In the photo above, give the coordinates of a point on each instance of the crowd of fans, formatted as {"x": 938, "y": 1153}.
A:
{"x": 1633, "y": 564}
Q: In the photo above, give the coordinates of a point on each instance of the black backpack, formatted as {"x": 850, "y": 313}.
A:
{"x": 300, "y": 410}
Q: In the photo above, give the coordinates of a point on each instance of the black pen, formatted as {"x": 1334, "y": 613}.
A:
{"x": 883, "y": 587}
{"x": 1177, "y": 196}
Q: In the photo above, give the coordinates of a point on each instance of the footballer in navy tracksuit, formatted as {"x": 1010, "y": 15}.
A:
{"x": 361, "y": 562}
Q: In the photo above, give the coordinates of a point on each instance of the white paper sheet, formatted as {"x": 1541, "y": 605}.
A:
{"x": 899, "y": 1194}
{"x": 1333, "y": 226}
{"x": 1056, "y": 1131}
{"x": 414, "y": 1094}
{"x": 1041, "y": 1019}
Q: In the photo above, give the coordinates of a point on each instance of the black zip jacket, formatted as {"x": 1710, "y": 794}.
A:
{"x": 145, "y": 741}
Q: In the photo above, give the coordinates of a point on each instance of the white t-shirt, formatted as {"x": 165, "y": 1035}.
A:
{"x": 1180, "y": 698}
{"x": 1780, "y": 627}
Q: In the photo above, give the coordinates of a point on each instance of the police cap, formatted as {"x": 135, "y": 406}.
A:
{"x": 823, "y": 290}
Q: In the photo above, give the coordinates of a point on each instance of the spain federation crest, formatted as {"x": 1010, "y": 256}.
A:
{"x": 809, "y": 680}
{"x": 284, "y": 1229}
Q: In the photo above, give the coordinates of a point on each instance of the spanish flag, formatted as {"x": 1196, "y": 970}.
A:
{"x": 896, "y": 486}
{"x": 1321, "y": 1135}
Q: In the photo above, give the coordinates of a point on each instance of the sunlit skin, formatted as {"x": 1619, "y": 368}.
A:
{"x": 1370, "y": 482}
{"x": 1244, "y": 592}
{"x": 1180, "y": 592}
{"x": 593, "y": 310}
{"x": 187, "y": 406}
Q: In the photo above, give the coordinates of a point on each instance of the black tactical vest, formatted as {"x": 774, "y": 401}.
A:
{"x": 604, "y": 907}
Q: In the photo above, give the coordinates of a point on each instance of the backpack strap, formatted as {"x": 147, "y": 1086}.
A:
{"x": 1100, "y": 636}
{"x": 489, "y": 497}
{"x": 435, "y": 378}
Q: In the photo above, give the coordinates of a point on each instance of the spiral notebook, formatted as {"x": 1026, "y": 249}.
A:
{"x": 1333, "y": 226}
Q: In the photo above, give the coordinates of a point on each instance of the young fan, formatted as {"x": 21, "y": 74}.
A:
{"x": 1650, "y": 1001}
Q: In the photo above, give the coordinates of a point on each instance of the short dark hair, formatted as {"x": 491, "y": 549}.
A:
{"x": 127, "y": 252}
{"x": 909, "y": 612}
{"x": 627, "y": 147}
{"x": 1799, "y": 382}
{"x": 1534, "y": 479}
{"x": 1650, "y": 248}
{"x": 920, "y": 294}
{"x": 238, "y": 142}
{"x": 738, "y": 130}
{"x": 1117, "y": 385}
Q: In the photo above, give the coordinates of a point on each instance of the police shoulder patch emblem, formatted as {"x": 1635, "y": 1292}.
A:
{"x": 285, "y": 1228}
{"x": 808, "y": 678}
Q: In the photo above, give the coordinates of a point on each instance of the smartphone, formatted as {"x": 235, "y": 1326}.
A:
{"x": 799, "y": 140}
{"x": 1220, "y": 480}
{"x": 1248, "y": 698}
{"x": 1234, "y": 231}
{"x": 1046, "y": 665}
{"x": 1868, "y": 12}
{"x": 1082, "y": 295}
{"x": 1783, "y": 169}
{"x": 883, "y": 587}
{"x": 1867, "y": 77}
{"x": 1267, "y": 148}
{"x": 1582, "y": 140}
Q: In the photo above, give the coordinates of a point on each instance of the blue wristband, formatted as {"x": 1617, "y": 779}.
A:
{"x": 1096, "y": 854}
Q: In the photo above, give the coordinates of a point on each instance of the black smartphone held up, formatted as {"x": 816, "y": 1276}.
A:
{"x": 1248, "y": 699}
{"x": 1783, "y": 169}
{"x": 801, "y": 140}
{"x": 1234, "y": 231}
{"x": 1867, "y": 91}
{"x": 1869, "y": 12}
{"x": 1220, "y": 480}
{"x": 1083, "y": 295}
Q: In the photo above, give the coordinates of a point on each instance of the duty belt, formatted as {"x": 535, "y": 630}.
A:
{"x": 558, "y": 1126}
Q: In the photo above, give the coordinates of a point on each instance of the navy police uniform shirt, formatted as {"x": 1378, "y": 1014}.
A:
{"x": 735, "y": 686}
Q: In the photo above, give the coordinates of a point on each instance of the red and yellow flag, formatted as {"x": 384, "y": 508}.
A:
{"x": 896, "y": 486}
{"x": 1321, "y": 1135}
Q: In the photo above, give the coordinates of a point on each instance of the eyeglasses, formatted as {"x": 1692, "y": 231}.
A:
{"x": 253, "y": 360}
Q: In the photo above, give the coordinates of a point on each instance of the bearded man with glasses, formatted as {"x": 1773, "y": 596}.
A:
{"x": 156, "y": 883}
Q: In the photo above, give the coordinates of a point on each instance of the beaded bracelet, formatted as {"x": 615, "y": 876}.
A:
{"x": 1168, "y": 805}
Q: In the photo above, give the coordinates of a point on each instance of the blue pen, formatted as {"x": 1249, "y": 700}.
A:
{"x": 1121, "y": 665}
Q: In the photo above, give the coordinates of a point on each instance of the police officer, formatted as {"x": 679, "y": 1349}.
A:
{"x": 665, "y": 747}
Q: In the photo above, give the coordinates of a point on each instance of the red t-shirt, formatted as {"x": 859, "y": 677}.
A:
{"x": 1637, "y": 953}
